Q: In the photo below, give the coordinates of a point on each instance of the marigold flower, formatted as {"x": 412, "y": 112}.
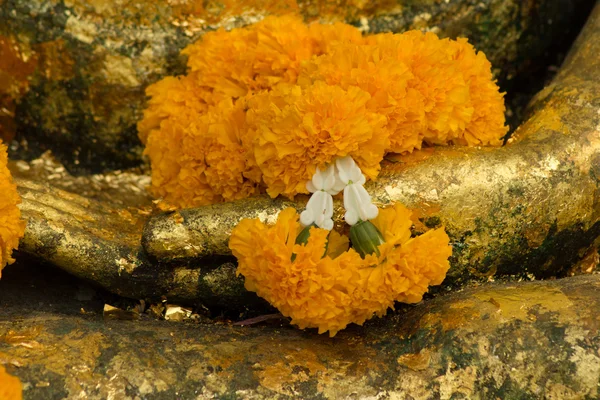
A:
{"x": 198, "y": 159}
{"x": 328, "y": 35}
{"x": 11, "y": 225}
{"x": 247, "y": 60}
{"x": 10, "y": 386}
{"x": 296, "y": 130}
{"x": 445, "y": 94}
{"x": 329, "y": 292}
{"x": 222, "y": 61}
{"x": 173, "y": 97}
{"x": 385, "y": 79}
{"x": 487, "y": 123}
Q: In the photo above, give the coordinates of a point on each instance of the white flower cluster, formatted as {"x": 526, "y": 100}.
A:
{"x": 344, "y": 175}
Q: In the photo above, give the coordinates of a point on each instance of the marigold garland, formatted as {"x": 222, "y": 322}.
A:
{"x": 297, "y": 90}
{"x": 340, "y": 288}
{"x": 277, "y": 104}
{"x": 11, "y": 225}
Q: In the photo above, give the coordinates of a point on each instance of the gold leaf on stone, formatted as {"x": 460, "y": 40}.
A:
{"x": 416, "y": 361}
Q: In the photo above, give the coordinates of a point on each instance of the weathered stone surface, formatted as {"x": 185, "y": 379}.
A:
{"x": 99, "y": 241}
{"x": 510, "y": 341}
{"x": 73, "y": 73}
{"x": 531, "y": 207}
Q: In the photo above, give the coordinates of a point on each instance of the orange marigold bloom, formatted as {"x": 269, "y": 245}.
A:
{"x": 246, "y": 60}
{"x": 444, "y": 92}
{"x": 462, "y": 102}
{"x": 11, "y": 225}
{"x": 296, "y": 130}
{"x": 198, "y": 159}
{"x": 328, "y": 35}
{"x": 10, "y": 386}
{"x": 385, "y": 79}
{"x": 329, "y": 292}
{"x": 406, "y": 266}
{"x": 430, "y": 89}
{"x": 172, "y": 97}
{"x": 222, "y": 61}
{"x": 487, "y": 124}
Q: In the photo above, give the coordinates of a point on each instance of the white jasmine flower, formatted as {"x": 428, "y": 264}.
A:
{"x": 357, "y": 200}
{"x": 319, "y": 209}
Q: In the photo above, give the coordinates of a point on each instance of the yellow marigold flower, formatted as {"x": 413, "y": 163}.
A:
{"x": 436, "y": 77}
{"x": 435, "y": 90}
{"x": 283, "y": 43}
{"x": 246, "y": 60}
{"x": 328, "y": 35}
{"x": 445, "y": 94}
{"x": 311, "y": 289}
{"x": 257, "y": 57}
{"x": 11, "y": 225}
{"x": 487, "y": 124}
{"x": 413, "y": 263}
{"x": 385, "y": 79}
{"x": 221, "y": 60}
{"x": 295, "y": 130}
{"x": 173, "y": 97}
{"x": 10, "y": 386}
{"x": 462, "y": 102}
{"x": 198, "y": 159}
{"x": 329, "y": 292}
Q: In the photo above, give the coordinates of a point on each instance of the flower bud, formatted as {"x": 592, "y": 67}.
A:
{"x": 365, "y": 238}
